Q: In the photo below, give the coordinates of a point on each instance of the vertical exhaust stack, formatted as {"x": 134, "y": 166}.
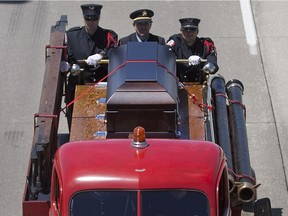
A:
{"x": 245, "y": 190}
{"x": 222, "y": 133}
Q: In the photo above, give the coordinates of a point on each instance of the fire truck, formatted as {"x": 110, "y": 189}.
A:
{"x": 140, "y": 144}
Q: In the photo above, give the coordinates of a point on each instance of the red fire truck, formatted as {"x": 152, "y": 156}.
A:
{"x": 140, "y": 145}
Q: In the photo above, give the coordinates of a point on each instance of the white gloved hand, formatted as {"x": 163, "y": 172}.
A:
{"x": 194, "y": 60}
{"x": 64, "y": 66}
{"x": 94, "y": 59}
{"x": 209, "y": 68}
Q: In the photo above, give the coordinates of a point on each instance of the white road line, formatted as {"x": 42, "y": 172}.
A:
{"x": 249, "y": 26}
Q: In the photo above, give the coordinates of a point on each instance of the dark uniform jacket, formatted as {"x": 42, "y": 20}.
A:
{"x": 132, "y": 38}
{"x": 80, "y": 45}
{"x": 203, "y": 47}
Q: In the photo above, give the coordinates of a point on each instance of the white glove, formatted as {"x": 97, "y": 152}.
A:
{"x": 64, "y": 66}
{"x": 94, "y": 59}
{"x": 194, "y": 60}
{"x": 209, "y": 68}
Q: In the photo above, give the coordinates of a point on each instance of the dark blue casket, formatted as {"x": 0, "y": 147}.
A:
{"x": 142, "y": 91}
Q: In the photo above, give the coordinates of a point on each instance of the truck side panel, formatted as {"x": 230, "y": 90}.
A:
{"x": 45, "y": 129}
{"x": 35, "y": 208}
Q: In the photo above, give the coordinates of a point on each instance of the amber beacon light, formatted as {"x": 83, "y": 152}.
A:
{"x": 139, "y": 138}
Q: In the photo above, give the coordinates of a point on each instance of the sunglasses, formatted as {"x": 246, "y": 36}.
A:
{"x": 146, "y": 23}
{"x": 91, "y": 18}
{"x": 189, "y": 29}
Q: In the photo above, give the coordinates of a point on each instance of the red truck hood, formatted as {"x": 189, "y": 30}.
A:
{"x": 114, "y": 164}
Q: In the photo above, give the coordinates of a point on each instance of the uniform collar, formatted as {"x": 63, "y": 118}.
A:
{"x": 139, "y": 39}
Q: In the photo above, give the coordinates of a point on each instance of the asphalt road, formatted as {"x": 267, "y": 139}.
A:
{"x": 256, "y": 56}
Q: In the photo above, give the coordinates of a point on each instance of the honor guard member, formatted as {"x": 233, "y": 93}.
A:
{"x": 142, "y": 22}
{"x": 90, "y": 43}
{"x": 187, "y": 45}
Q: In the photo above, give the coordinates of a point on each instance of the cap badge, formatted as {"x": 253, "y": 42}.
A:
{"x": 144, "y": 13}
{"x": 91, "y": 7}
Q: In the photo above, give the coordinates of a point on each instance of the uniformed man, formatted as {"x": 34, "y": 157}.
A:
{"x": 142, "y": 22}
{"x": 90, "y": 43}
{"x": 187, "y": 45}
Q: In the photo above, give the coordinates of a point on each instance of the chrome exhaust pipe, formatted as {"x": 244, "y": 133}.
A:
{"x": 246, "y": 192}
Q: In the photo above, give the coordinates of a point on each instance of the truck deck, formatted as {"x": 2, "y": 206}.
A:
{"x": 90, "y": 107}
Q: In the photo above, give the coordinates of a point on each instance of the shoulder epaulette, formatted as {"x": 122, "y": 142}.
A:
{"x": 111, "y": 31}
{"x": 206, "y": 39}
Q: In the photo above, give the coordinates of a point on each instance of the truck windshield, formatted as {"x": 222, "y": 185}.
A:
{"x": 174, "y": 203}
{"x": 153, "y": 203}
{"x": 108, "y": 203}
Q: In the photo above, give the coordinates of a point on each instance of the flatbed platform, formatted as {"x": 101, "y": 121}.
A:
{"x": 88, "y": 119}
